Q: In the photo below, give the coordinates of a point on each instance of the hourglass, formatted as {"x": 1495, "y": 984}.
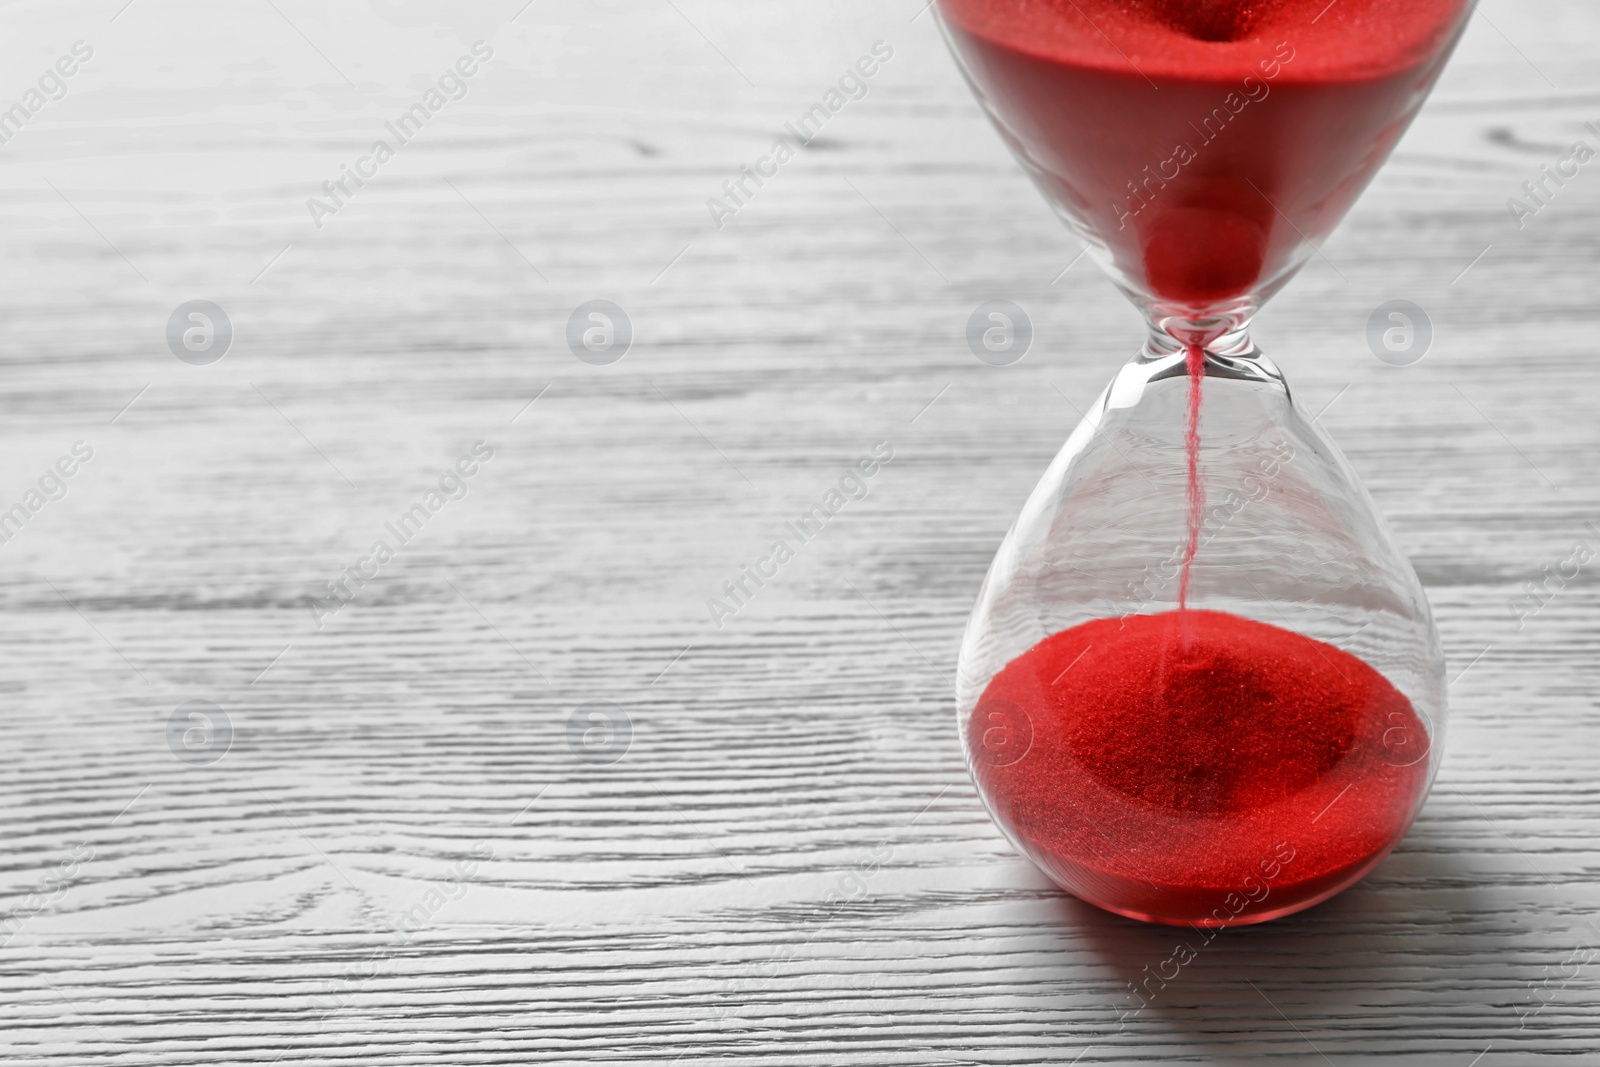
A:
{"x": 1201, "y": 684}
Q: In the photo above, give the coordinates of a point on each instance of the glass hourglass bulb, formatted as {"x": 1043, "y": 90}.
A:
{"x": 1226, "y": 752}
{"x": 1201, "y": 684}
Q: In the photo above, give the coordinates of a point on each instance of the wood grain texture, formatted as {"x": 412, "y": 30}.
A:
{"x": 788, "y": 864}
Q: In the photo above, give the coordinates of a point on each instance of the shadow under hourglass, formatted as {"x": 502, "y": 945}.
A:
{"x": 1358, "y": 974}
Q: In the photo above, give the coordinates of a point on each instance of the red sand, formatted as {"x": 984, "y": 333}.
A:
{"x": 1194, "y": 365}
{"x": 1229, "y": 781}
{"x": 1202, "y": 138}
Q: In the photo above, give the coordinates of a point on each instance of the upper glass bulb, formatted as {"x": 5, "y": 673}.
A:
{"x": 1202, "y": 148}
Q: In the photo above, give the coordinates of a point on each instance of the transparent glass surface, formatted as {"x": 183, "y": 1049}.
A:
{"x": 1201, "y": 178}
{"x": 1290, "y": 539}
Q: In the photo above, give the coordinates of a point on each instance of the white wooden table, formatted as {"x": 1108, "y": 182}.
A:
{"x": 786, "y": 863}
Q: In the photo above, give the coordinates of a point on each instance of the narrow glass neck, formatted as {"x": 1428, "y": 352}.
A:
{"x": 1170, "y": 337}
{"x": 1222, "y": 328}
{"x": 1230, "y": 354}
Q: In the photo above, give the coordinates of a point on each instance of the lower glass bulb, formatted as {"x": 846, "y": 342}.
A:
{"x": 1219, "y": 749}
